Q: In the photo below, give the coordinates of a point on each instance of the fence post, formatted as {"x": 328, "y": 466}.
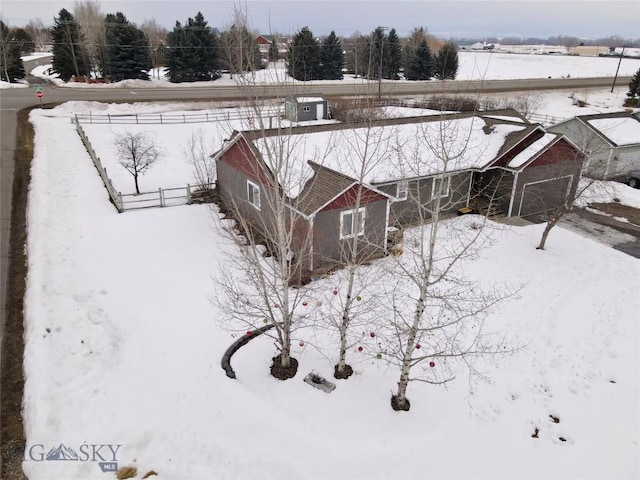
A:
{"x": 136, "y": 118}
{"x": 90, "y": 117}
{"x": 109, "y": 117}
{"x": 188, "y": 194}
{"x": 160, "y": 195}
{"x": 160, "y": 119}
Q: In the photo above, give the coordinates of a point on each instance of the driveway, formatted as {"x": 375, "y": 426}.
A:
{"x": 602, "y": 228}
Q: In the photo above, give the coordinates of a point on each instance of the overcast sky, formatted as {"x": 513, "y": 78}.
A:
{"x": 471, "y": 18}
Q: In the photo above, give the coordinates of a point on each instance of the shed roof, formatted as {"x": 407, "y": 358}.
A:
{"x": 619, "y": 130}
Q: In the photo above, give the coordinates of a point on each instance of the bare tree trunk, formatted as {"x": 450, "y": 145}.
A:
{"x": 135, "y": 179}
{"x": 550, "y": 224}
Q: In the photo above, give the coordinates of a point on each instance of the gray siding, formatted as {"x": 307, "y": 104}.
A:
{"x": 597, "y": 150}
{"x": 329, "y": 250}
{"x": 540, "y": 190}
{"x": 408, "y": 212}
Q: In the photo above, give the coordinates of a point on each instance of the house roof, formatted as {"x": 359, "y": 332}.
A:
{"x": 620, "y": 131}
{"x": 617, "y": 128}
{"x": 391, "y": 150}
{"x": 323, "y": 187}
{"x": 533, "y": 150}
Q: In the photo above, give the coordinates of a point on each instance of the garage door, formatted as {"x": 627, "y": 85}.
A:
{"x": 540, "y": 198}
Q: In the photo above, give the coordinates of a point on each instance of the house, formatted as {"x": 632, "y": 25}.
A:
{"x": 264, "y": 43}
{"x": 304, "y": 108}
{"x": 610, "y": 141}
{"x": 590, "y": 50}
{"x": 494, "y": 159}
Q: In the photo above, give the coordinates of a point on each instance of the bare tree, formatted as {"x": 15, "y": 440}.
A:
{"x": 39, "y": 33}
{"x": 263, "y": 292}
{"x": 436, "y": 312}
{"x": 157, "y": 37}
{"x": 136, "y": 153}
{"x": 197, "y": 152}
{"x": 92, "y": 31}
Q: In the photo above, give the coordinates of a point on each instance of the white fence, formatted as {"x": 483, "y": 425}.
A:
{"x": 546, "y": 120}
{"x": 115, "y": 196}
{"x": 163, "y": 197}
{"x": 173, "y": 118}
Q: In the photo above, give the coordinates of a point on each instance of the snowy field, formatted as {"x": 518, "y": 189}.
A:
{"x": 473, "y": 66}
{"x": 123, "y": 347}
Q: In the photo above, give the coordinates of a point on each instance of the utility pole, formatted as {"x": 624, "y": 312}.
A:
{"x": 382, "y": 29}
{"x": 617, "y": 69}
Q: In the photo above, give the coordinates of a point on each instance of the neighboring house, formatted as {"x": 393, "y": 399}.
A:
{"x": 610, "y": 142}
{"x": 304, "y": 108}
{"x": 495, "y": 157}
{"x": 264, "y": 44}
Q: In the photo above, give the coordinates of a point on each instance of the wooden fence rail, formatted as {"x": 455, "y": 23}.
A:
{"x": 173, "y": 118}
{"x": 163, "y": 197}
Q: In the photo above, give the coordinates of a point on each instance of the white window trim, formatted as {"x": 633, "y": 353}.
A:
{"x": 256, "y": 194}
{"x": 434, "y": 186}
{"x": 354, "y": 216}
{"x": 402, "y": 190}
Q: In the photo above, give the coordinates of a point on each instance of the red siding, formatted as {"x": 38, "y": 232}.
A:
{"x": 348, "y": 198}
{"x": 561, "y": 151}
{"x": 241, "y": 158}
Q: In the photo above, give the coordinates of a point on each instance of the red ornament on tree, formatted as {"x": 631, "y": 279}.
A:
{"x": 418, "y": 347}
{"x": 373, "y": 334}
{"x": 360, "y": 349}
{"x": 335, "y": 292}
{"x": 304, "y": 304}
{"x": 432, "y": 364}
{"x": 249, "y": 333}
{"x": 301, "y": 343}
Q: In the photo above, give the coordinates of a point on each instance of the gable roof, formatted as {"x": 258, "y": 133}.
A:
{"x": 617, "y": 128}
{"x": 396, "y": 149}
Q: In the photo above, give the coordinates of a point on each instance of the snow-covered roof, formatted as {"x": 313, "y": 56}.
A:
{"x": 532, "y": 150}
{"x": 309, "y": 99}
{"x": 621, "y": 131}
{"x": 385, "y": 153}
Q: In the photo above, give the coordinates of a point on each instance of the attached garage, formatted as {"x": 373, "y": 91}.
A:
{"x": 538, "y": 198}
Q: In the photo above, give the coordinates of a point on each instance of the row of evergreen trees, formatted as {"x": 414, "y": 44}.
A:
{"x": 194, "y": 52}
{"x": 373, "y": 56}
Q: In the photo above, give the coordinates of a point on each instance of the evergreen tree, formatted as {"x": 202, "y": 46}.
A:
{"x": 193, "y": 54}
{"x": 331, "y": 58}
{"x": 303, "y": 57}
{"x": 418, "y": 59}
{"x": 392, "y": 56}
{"x": 69, "y": 58}
{"x": 446, "y": 62}
{"x": 127, "y": 50}
{"x": 274, "y": 54}
{"x": 22, "y": 37}
{"x": 634, "y": 89}
{"x": 11, "y": 66}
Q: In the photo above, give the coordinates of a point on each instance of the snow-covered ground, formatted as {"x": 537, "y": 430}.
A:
{"x": 123, "y": 348}
{"x": 123, "y": 340}
{"x": 473, "y": 66}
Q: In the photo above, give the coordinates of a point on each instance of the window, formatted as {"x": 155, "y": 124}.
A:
{"x": 352, "y": 223}
{"x": 402, "y": 188}
{"x": 253, "y": 194}
{"x": 440, "y": 187}
{"x": 306, "y": 109}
